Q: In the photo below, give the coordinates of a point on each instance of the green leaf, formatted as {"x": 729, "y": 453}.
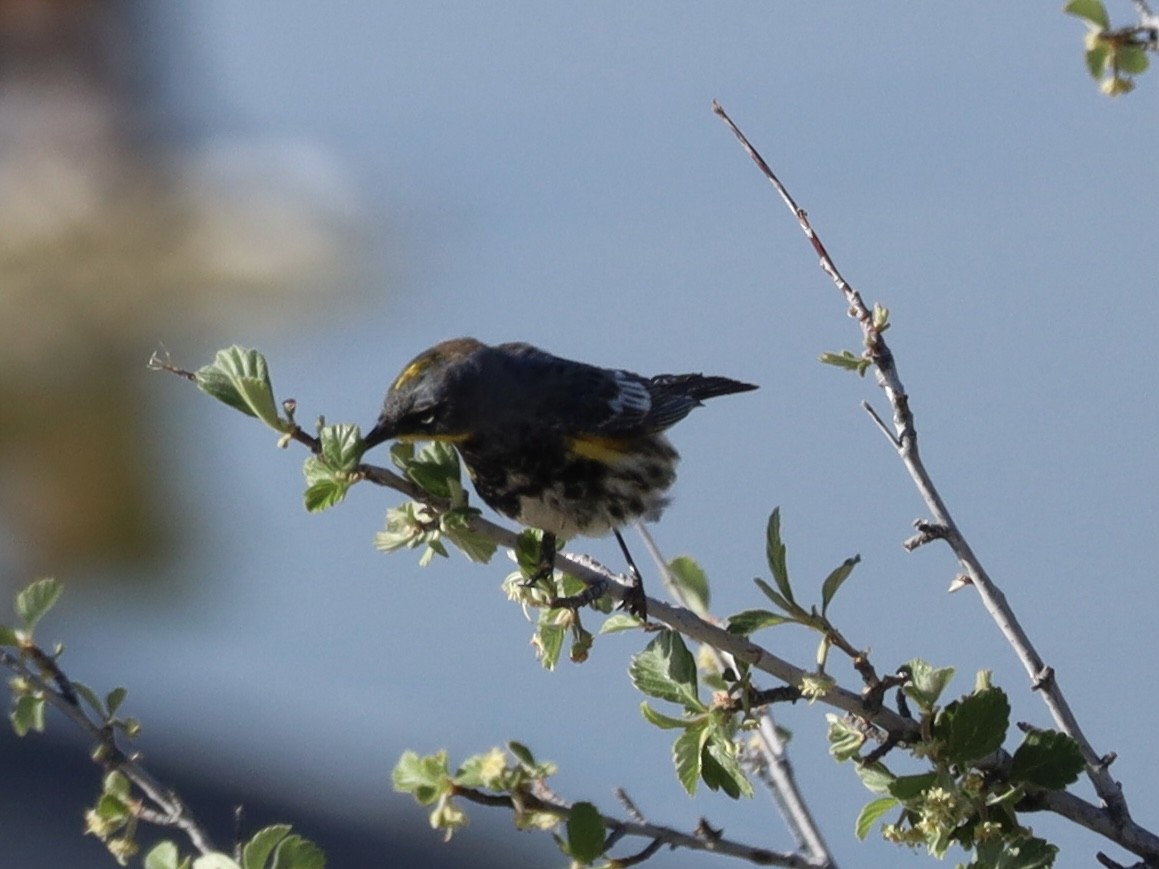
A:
{"x": 240, "y": 378}
{"x": 548, "y": 641}
{"x": 1097, "y": 56}
{"x": 775, "y": 553}
{"x": 776, "y": 597}
{"x": 90, "y": 696}
{"x": 834, "y": 581}
{"x": 295, "y": 852}
{"x": 926, "y": 683}
{"x": 846, "y": 360}
{"x": 163, "y": 855}
{"x": 258, "y": 849}
{"x": 27, "y": 714}
{"x": 1132, "y": 59}
{"x": 8, "y": 636}
{"x": 910, "y": 787}
{"x": 974, "y": 726}
{"x": 215, "y": 861}
{"x": 686, "y": 756}
{"x": 666, "y": 669}
{"x": 619, "y": 622}
{"x": 1047, "y": 759}
{"x": 34, "y": 601}
{"x": 341, "y": 446}
{"x": 456, "y": 526}
{"x": 585, "y": 833}
{"x": 750, "y": 621}
{"x": 719, "y": 767}
{"x": 1092, "y": 11}
{"x": 875, "y": 777}
{"x": 325, "y": 487}
{"x": 433, "y": 467}
{"x": 114, "y": 699}
{"x": 1025, "y": 852}
{"x": 871, "y": 813}
{"x": 666, "y": 722}
{"x": 425, "y": 778}
{"x": 691, "y": 580}
{"x": 845, "y": 740}
{"x": 522, "y": 754}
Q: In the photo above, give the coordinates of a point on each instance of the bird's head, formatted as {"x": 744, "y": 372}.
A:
{"x": 430, "y": 399}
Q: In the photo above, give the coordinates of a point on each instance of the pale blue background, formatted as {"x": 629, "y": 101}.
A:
{"x": 553, "y": 173}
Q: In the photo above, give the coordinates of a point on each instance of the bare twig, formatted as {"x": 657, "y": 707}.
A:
{"x": 993, "y": 599}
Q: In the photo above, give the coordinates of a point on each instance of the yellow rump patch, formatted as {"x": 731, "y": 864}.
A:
{"x": 599, "y": 449}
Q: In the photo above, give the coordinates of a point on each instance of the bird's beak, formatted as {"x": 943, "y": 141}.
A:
{"x": 381, "y": 432}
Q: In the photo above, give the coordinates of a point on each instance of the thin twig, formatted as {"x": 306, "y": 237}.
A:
{"x": 668, "y": 836}
{"x": 1109, "y": 791}
{"x": 776, "y": 769}
{"x": 171, "y": 811}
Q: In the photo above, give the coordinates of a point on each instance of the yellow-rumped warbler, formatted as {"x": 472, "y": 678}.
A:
{"x": 558, "y": 445}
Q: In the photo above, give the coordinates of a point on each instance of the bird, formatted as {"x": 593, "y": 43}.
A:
{"x": 566, "y": 447}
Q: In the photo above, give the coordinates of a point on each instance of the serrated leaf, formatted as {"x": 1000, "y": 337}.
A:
{"x": 1092, "y": 11}
{"x": 749, "y": 621}
{"x": 666, "y": 669}
{"x": 775, "y": 553}
{"x": 433, "y": 467}
{"x": 871, "y": 813}
{"x": 1047, "y": 759}
{"x": 974, "y": 726}
{"x": 456, "y": 526}
{"x": 425, "y": 778}
{"x": 927, "y": 683}
{"x": 34, "y": 601}
{"x": 665, "y": 722}
{"x": 691, "y": 580}
{"x": 585, "y": 833}
{"x": 295, "y": 852}
{"x": 258, "y": 849}
{"x": 834, "y": 581}
{"x": 686, "y": 756}
{"x": 240, "y": 378}
{"x": 324, "y": 486}
{"x": 341, "y": 446}
{"x": 548, "y": 642}
{"x": 719, "y": 769}
{"x": 163, "y": 855}
{"x": 27, "y": 714}
{"x": 1026, "y": 852}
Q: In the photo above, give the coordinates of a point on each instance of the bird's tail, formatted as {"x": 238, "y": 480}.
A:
{"x": 697, "y": 386}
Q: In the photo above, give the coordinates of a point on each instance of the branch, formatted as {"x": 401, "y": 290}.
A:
{"x": 906, "y": 444}
{"x": 669, "y": 836}
{"x": 170, "y": 810}
{"x": 775, "y": 769}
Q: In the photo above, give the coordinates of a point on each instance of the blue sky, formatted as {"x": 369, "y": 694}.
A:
{"x": 553, "y": 173}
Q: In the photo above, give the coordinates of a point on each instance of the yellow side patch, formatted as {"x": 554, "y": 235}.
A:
{"x": 599, "y": 449}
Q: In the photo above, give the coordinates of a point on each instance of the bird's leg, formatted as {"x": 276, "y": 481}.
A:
{"x": 545, "y": 570}
{"x": 635, "y": 601}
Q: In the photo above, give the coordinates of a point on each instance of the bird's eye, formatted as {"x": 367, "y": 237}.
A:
{"x": 427, "y": 418}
